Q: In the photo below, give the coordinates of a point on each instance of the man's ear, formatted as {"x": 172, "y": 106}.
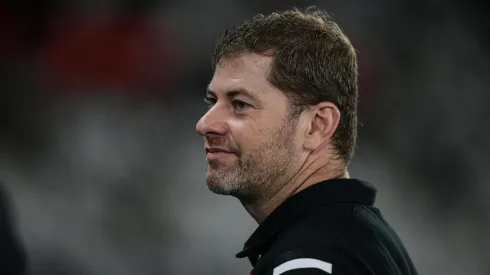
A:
{"x": 325, "y": 118}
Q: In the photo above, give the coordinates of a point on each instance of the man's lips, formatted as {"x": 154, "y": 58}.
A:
{"x": 217, "y": 150}
{"x": 215, "y": 153}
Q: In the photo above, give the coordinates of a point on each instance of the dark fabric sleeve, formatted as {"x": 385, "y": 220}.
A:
{"x": 12, "y": 255}
{"x": 313, "y": 262}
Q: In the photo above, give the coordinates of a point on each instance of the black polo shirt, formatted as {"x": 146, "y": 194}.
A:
{"x": 330, "y": 227}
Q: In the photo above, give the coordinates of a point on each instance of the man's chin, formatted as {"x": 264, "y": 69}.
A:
{"x": 220, "y": 189}
{"x": 217, "y": 185}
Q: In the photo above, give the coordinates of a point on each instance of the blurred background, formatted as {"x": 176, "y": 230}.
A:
{"x": 99, "y": 155}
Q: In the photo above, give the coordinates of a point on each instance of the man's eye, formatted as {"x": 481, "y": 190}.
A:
{"x": 210, "y": 101}
{"x": 240, "y": 105}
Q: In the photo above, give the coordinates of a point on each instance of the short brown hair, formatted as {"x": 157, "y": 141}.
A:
{"x": 313, "y": 62}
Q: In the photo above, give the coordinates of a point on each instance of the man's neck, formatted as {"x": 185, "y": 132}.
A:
{"x": 310, "y": 174}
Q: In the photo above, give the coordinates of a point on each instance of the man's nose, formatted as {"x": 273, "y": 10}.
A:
{"x": 213, "y": 122}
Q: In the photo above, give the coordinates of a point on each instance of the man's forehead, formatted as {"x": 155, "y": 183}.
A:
{"x": 246, "y": 71}
{"x": 245, "y": 65}
{"x": 252, "y": 60}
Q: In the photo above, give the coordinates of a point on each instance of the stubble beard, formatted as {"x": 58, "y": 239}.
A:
{"x": 253, "y": 176}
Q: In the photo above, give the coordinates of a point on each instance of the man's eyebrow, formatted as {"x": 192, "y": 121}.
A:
{"x": 234, "y": 93}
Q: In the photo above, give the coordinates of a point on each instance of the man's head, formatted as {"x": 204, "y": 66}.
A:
{"x": 284, "y": 90}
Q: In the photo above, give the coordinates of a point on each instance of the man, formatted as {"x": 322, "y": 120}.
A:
{"x": 279, "y": 134}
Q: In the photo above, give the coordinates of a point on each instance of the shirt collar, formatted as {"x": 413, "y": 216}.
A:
{"x": 329, "y": 191}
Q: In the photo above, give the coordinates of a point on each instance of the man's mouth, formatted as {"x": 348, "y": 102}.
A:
{"x": 217, "y": 153}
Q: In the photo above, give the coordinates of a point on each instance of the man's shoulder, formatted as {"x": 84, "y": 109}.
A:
{"x": 345, "y": 235}
{"x": 329, "y": 224}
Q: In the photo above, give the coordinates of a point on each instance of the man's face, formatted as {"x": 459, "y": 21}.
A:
{"x": 249, "y": 137}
